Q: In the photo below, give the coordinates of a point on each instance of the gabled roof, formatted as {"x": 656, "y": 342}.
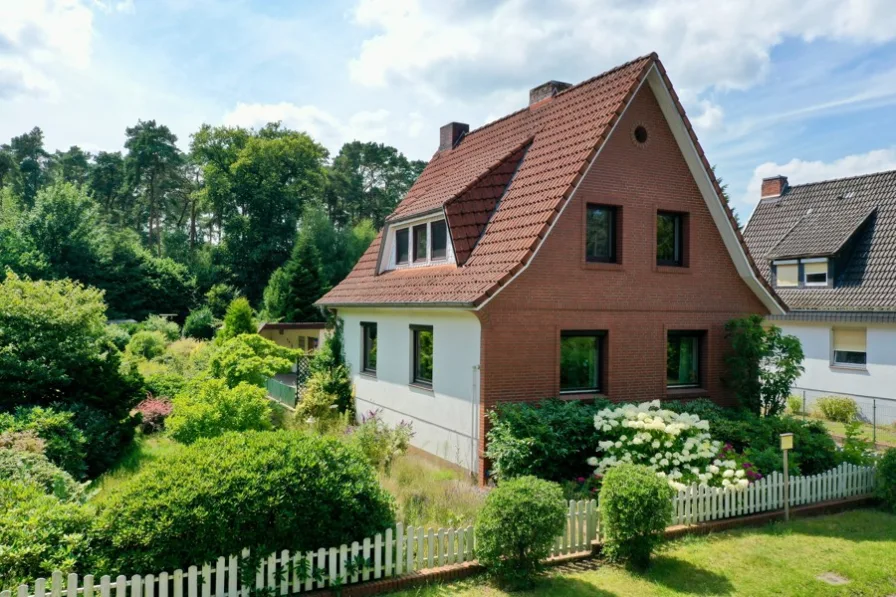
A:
{"x": 507, "y": 182}
{"x": 852, "y": 218}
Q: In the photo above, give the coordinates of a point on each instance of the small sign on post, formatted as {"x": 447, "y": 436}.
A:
{"x": 786, "y": 446}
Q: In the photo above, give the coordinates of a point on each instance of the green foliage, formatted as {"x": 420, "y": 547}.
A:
{"x": 516, "y": 528}
{"x": 265, "y": 491}
{"x": 795, "y": 405}
{"x": 635, "y": 509}
{"x": 252, "y": 359}
{"x": 200, "y": 324}
{"x": 166, "y": 327}
{"x": 22, "y": 441}
{"x": 147, "y": 344}
{"x": 762, "y": 365}
{"x": 219, "y": 297}
{"x": 329, "y": 367}
{"x": 107, "y": 435}
{"x": 64, "y": 442}
{"x": 210, "y": 408}
{"x": 319, "y": 403}
{"x": 840, "y": 409}
{"x": 165, "y": 384}
{"x": 39, "y": 533}
{"x": 885, "y": 486}
{"x": 239, "y": 319}
{"x": 551, "y": 439}
{"x": 118, "y": 335}
{"x": 292, "y": 289}
{"x": 856, "y": 449}
{"x": 27, "y": 467}
{"x": 380, "y": 443}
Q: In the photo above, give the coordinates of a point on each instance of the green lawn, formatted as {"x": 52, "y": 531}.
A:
{"x": 780, "y": 559}
{"x": 144, "y": 450}
{"x": 886, "y": 434}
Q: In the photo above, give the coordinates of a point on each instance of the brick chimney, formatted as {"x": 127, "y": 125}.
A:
{"x": 546, "y": 90}
{"x": 451, "y": 133}
{"x": 774, "y": 186}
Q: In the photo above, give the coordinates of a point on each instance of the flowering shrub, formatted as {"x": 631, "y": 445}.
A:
{"x": 153, "y": 412}
{"x": 677, "y": 446}
{"x": 379, "y": 442}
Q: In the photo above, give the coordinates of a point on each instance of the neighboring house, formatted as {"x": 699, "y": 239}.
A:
{"x": 304, "y": 335}
{"x": 576, "y": 248}
{"x": 829, "y": 248}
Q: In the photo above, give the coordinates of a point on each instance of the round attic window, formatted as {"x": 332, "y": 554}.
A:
{"x": 640, "y": 134}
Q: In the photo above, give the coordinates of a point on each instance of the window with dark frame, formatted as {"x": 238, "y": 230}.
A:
{"x": 669, "y": 245}
{"x": 401, "y": 246}
{"x": 683, "y": 359}
{"x": 423, "y": 355}
{"x": 369, "y": 347}
{"x": 600, "y": 234}
{"x": 439, "y": 234}
{"x": 580, "y": 361}
{"x": 420, "y": 244}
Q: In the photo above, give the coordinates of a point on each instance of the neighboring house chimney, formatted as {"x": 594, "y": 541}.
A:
{"x": 773, "y": 186}
{"x": 546, "y": 90}
{"x": 451, "y": 133}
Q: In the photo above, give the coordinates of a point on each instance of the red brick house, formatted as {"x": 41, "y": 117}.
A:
{"x": 575, "y": 248}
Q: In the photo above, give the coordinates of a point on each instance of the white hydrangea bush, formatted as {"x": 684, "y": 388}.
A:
{"x": 677, "y": 446}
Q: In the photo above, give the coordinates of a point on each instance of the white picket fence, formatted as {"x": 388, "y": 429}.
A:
{"x": 701, "y": 504}
{"x": 403, "y": 550}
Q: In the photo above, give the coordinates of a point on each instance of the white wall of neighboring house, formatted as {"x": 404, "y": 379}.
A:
{"x": 446, "y": 419}
{"x": 822, "y": 378}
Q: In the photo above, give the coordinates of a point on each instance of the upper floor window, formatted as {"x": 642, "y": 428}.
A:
{"x": 683, "y": 359}
{"x": 600, "y": 233}
{"x": 669, "y": 239}
{"x": 850, "y": 347}
{"x": 794, "y": 273}
{"x": 787, "y": 273}
{"x": 368, "y": 340}
{"x": 815, "y": 272}
{"x": 401, "y": 246}
{"x": 439, "y": 231}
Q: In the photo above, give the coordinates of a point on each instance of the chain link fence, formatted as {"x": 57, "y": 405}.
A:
{"x": 876, "y": 414}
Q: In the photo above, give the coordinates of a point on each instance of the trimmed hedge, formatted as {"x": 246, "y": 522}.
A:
{"x": 886, "y": 480}
{"x": 265, "y": 491}
{"x": 28, "y": 467}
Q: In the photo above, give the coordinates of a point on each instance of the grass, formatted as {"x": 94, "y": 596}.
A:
{"x": 779, "y": 559}
{"x": 886, "y": 434}
{"x": 145, "y": 449}
{"x": 432, "y": 495}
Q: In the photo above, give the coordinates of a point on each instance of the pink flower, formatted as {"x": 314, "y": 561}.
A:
{"x": 581, "y": 479}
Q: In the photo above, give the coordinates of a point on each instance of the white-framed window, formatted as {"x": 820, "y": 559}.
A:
{"x": 418, "y": 242}
{"x": 815, "y": 272}
{"x": 850, "y": 347}
{"x": 787, "y": 273}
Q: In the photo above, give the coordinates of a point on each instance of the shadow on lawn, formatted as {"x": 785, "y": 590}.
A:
{"x": 683, "y": 577}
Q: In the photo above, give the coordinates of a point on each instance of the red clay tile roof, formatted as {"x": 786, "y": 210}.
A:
{"x": 557, "y": 138}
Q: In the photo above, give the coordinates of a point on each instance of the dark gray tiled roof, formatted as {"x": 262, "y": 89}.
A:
{"x": 786, "y": 227}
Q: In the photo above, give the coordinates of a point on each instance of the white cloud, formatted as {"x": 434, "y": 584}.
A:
{"x": 800, "y": 171}
{"x": 711, "y": 118}
{"x": 467, "y": 48}
{"x": 323, "y": 126}
{"x": 37, "y": 39}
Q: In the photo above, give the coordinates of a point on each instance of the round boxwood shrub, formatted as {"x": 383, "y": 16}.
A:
{"x": 265, "y": 491}
{"x": 635, "y": 509}
{"x": 518, "y": 524}
{"x": 886, "y": 479}
{"x": 28, "y": 467}
{"x": 200, "y": 324}
{"x": 209, "y": 408}
{"x": 839, "y": 409}
{"x": 147, "y": 344}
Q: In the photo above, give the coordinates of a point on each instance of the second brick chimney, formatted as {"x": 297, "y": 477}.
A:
{"x": 773, "y": 187}
{"x": 451, "y": 133}
{"x": 546, "y": 90}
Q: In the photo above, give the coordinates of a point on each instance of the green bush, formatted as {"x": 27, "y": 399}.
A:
{"x": 319, "y": 401}
{"x": 517, "y": 526}
{"x": 839, "y": 409}
{"x": 106, "y": 437}
{"x": 635, "y": 509}
{"x": 163, "y": 325}
{"x": 165, "y": 383}
{"x": 795, "y": 405}
{"x": 252, "y": 359}
{"x": 886, "y": 480}
{"x": 703, "y": 408}
{"x": 550, "y": 440}
{"x": 265, "y": 491}
{"x": 118, "y": 335}
{"x": 209, "y": 408}
{"x": 219, "y": 297}
{"x": 22, "y": 441}
{"x": 200, "y": 324}
{"x": 147, "y": 344}
{"x": 65, "y": 444}
{"x": 855, "y": 448}
{"x": 330, "y": 359}
{"x": 39, "y": 533}
{"x": 239, "y": 319}
{"x": 27, "y": 467}
{"x": 380, "y": 443}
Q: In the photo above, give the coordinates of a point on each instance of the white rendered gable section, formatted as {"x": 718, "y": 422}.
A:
{"x": 387, "y": 258}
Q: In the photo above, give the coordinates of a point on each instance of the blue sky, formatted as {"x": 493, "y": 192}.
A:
{"x": 805, "y": 89}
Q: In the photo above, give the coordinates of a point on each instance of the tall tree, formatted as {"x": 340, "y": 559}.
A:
{"x": 30, "y": 160}
{"x": 724, "y": 186}
{"x": 293, "y": 288}
{"x": 152, "y": 166}
{"x": 106, "y": 184}
{"x": 367, "y": 180}
{"x": 71, "y": 166}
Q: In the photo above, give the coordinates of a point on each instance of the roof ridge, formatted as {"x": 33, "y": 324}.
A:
{"x": 844, "y": 179}
{"x": 653, "y": 56}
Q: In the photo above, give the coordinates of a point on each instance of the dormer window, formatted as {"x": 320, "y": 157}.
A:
{"x": 420, "y": 242}
{"x": 815, "y": 272}
{"x": 802, "y": 273}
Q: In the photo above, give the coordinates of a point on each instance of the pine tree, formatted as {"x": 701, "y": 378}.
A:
{"x": 303, "y": 282}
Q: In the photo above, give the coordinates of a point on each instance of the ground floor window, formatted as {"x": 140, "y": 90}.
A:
{"x": 850, "y": 347}
{"x": 423, "y": 355}
{"x": 369, "y": 350}
{"x": 580, "y": 358}
{"x": 683, "y": 359}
